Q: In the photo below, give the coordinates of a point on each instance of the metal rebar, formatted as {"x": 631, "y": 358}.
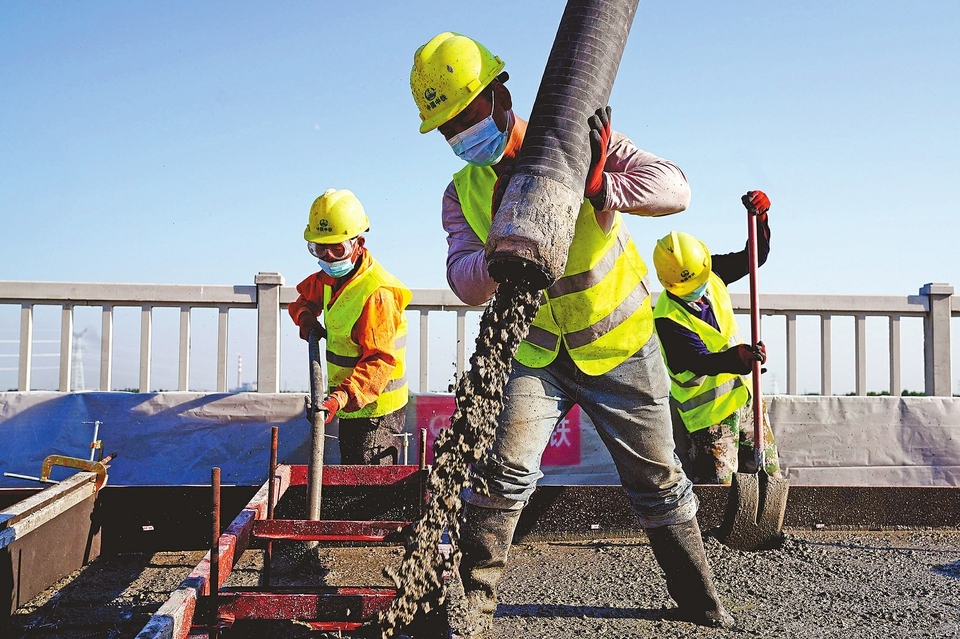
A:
{"x": 214, "y": 585}
{"x": 423, "y": 448}
{"x": 271, "y": 499}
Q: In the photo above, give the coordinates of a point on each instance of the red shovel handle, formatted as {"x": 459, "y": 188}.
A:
{"x": 755, "y": 333}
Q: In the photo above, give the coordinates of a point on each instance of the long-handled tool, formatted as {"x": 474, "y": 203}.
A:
{"x": 318, "y": 418}
{"x": 757, "y": 502}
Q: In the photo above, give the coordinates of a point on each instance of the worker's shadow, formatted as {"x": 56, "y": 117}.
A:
{"x": 948, "y": 570}
{"x": 590, "y": 612}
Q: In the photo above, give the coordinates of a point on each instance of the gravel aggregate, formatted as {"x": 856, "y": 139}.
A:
{"x": 824, "y": 584}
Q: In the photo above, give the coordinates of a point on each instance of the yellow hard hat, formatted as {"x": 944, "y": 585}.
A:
{"x": 683, "y": 263}
{"x": 448, "y": 73}
{"x": 335, "y": 216}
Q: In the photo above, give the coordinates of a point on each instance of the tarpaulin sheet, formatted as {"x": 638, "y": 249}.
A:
{"x": 174, "y": 438}
{"x": 875, "y": 441}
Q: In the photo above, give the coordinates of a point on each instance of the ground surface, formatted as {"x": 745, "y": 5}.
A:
{"x": 820, "y": 584}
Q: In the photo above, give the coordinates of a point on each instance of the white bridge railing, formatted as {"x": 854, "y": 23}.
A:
{"x": 935, "y": 303}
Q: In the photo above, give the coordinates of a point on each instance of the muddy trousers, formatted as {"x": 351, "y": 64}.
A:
{"x": 485, "y": 538}
{"x": 679, "y": 551}
{"x": 372, "y": 440}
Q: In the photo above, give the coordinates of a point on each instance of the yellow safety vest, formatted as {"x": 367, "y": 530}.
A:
{"x": 600, "y": 307}
{"x": 706, "y": 400}
{"x": 343, "y": 353}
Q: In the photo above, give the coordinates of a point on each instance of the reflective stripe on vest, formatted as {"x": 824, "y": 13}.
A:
{"x": 343, "y": 353}
{"x": 705, "y": 400}
{"x": 600, "y": 307}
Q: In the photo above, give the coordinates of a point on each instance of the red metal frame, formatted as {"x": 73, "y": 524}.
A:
{"x": 326, "y": 530}
{"x": 348, "y": 605}
{"x": 325, "y": 608}
{"x": 356, "y": 475}
{"x": 176, "y": 618}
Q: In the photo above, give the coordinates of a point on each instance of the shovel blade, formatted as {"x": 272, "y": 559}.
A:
{"x": 755, "y": 508}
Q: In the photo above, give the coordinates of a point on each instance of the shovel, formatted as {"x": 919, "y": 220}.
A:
{"x": 756, "y": 502}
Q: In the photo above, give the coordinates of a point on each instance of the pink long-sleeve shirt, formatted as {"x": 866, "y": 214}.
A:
{"x": 637, "y": 182}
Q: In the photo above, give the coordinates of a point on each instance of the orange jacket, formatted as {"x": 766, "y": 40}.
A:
{"x": 374, "y": 331}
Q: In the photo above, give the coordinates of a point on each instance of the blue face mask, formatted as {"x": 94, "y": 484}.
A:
{"x": 694, "y": 295}
{"x": 338, "y": 268}
{"x": 482, "y": 144}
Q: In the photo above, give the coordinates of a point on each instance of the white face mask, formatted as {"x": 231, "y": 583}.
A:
{"x": 336, "y": 269}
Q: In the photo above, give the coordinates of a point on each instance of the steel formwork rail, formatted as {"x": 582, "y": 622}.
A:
{"x": 174, "y": 618}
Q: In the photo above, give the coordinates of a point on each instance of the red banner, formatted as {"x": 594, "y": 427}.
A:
{"x": 434, "y": 412}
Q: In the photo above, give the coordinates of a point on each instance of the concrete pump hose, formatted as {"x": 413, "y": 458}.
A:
{"x": 534, "y": 225}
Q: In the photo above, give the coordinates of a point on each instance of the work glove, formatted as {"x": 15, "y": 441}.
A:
{"x": 599, "y": 124}
{"x": 307, "y": 322}
{"x": 757, "y": 203}
{"x": 750, "y": 353}
{"x": 331, "y": 404}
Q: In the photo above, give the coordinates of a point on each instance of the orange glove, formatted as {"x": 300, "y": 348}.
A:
{"x": 599, "y": 139}
{"x": 307, "y": 322}
{"x": 331, "y": 405}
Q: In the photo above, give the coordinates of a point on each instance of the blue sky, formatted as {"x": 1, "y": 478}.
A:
{"x": 184, "y": 142}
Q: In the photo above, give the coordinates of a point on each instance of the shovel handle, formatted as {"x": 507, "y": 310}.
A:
{"x": 318, "y": 432}
{"x": 755, "y": 335}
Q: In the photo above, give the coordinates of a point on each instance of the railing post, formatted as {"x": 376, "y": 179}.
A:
{"x": 183, "y": 375}
{"x": 26, "y": 346}
{"x": 146, "y": 346}
{"x": 106, "y": 347}
{"x": 424, "y": 351}
{"x": 936, "y": 339}
{"x": 791, "y": 353}
{"x": 826, "y": 356}
{"x": 268, "y": 331}
{"x": 895, "y": 385}
{"x": 860, "y": 336}
{"x": 66, "y": 347}
{"x": 222, "y": 316}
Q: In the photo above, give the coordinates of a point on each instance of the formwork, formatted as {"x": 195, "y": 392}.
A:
{"x": 572, "y": 514}
{"x": 202, "y": 606}
{"x": 46, "y": 536}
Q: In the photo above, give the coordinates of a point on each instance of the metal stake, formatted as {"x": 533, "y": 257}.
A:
{"x": 272, "y": 481}
{"x": 214, "y": 585}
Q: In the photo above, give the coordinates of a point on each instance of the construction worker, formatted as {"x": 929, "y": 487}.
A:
{"x": 366, "y": 330}
{"x": 708, "y": 365}
{"x": 617, "y": 378}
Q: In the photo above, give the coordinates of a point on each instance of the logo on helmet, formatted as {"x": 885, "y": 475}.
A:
{"x": 430, "y": 93}
{"x": 685, "y": 275}
{"x": 324, "y": 224}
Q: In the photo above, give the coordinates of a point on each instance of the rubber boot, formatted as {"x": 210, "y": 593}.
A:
{"x": 485, "y": 538}
{"x": 679, "y": 551}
